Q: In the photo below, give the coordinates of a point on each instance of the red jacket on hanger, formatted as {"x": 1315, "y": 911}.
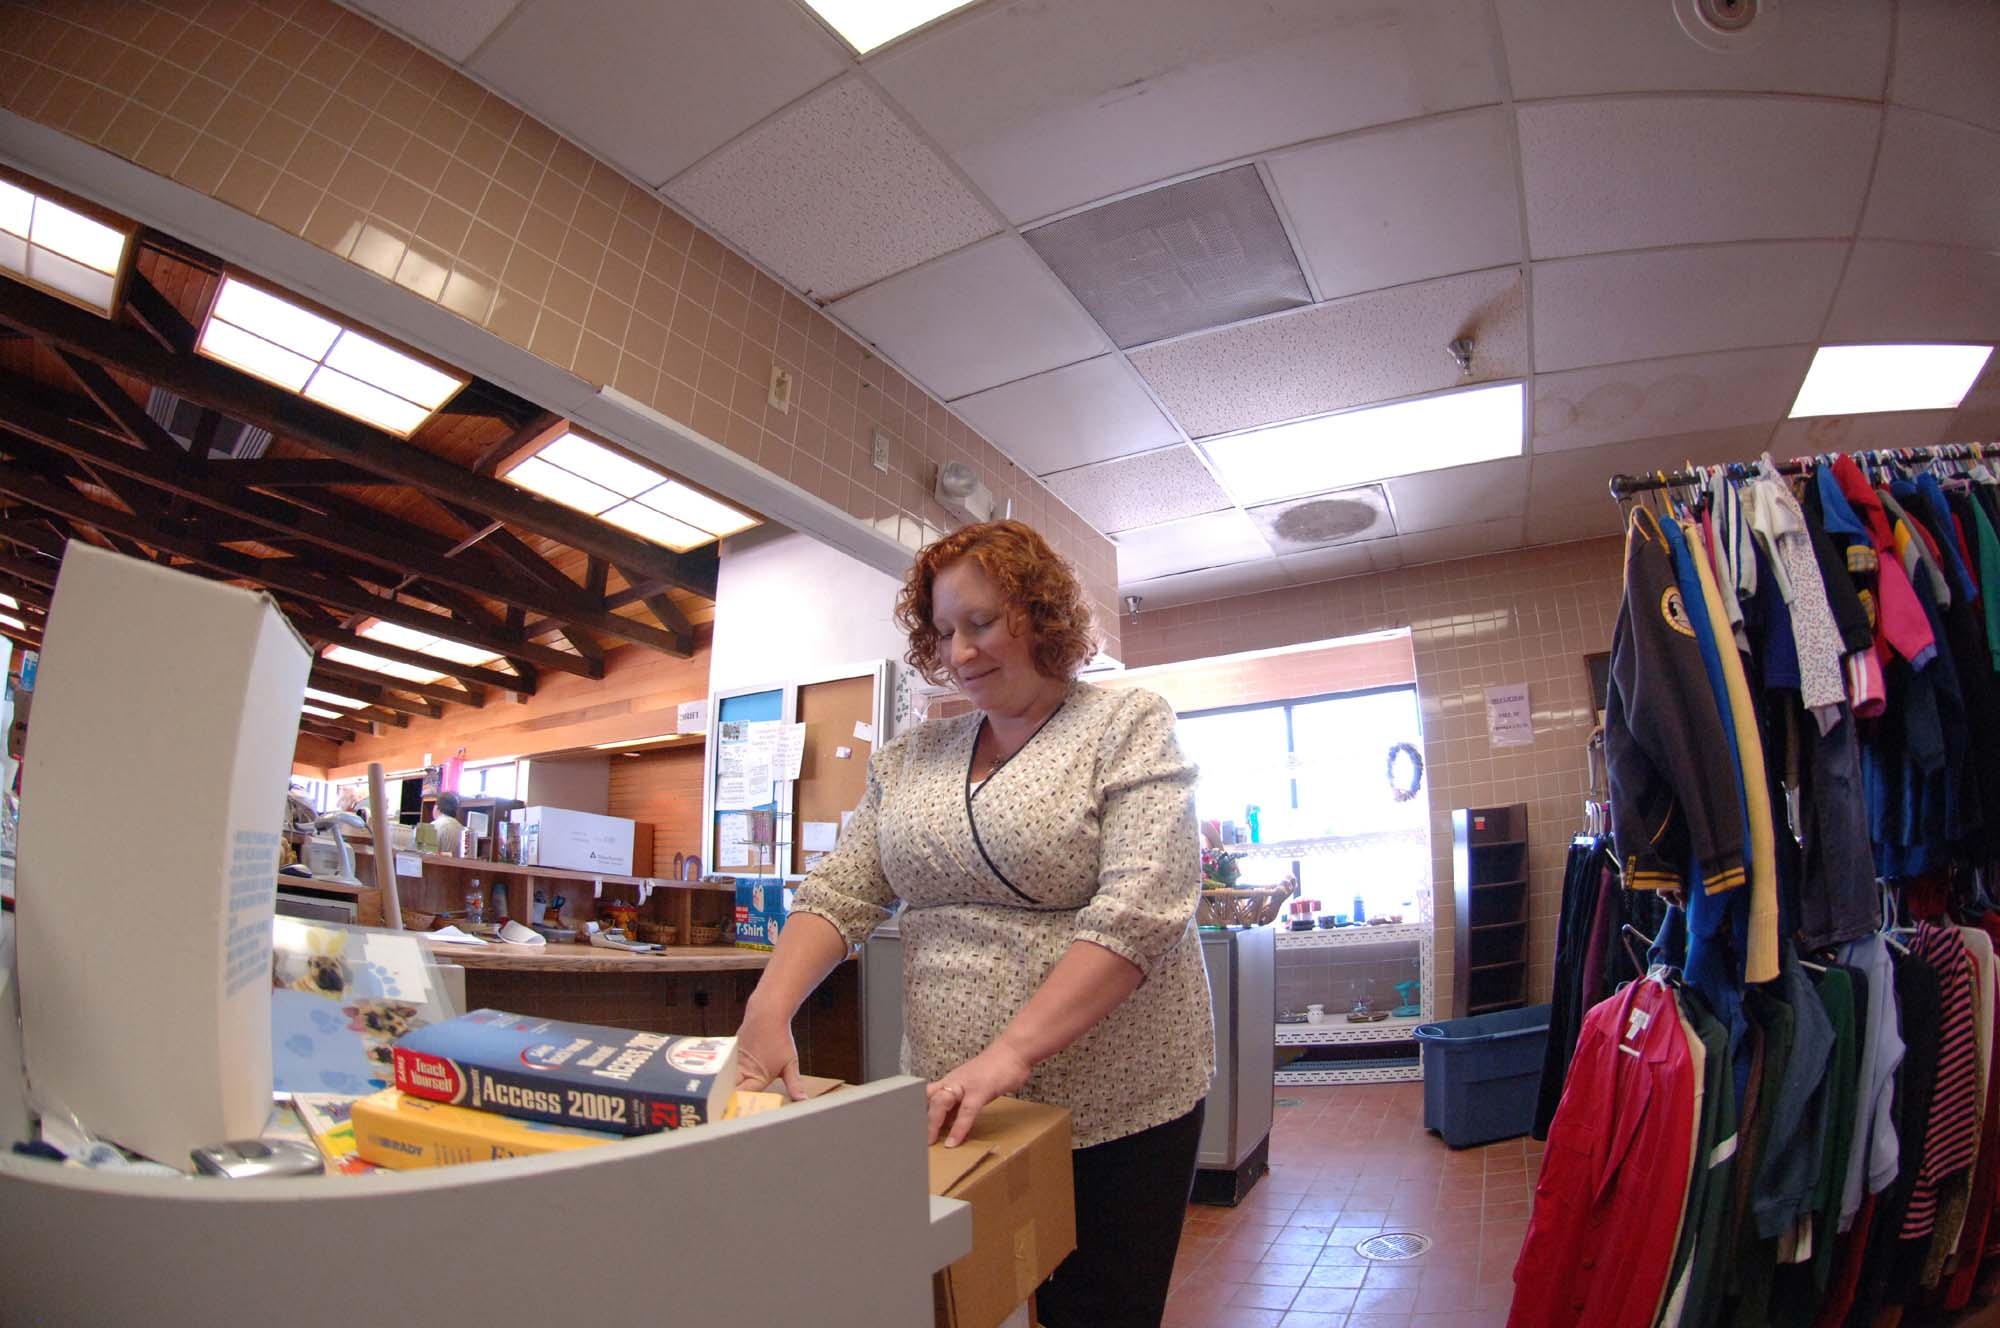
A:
{"x": 1600, "y": 1244}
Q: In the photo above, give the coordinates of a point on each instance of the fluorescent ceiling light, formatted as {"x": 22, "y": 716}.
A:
{"x": 1859, "y": 380}
{"x": 646, "y": 523}
{"x": 697, "y": 509}
{"x": 633, "y": 742}
{"x": 8, "y": 601}
{"x": 559, "y": 485}
{"x": 395, "y": 634}
{"x": 1374, "y": 443}
{"x": 600, "y": 465}
{"x": 594, "y": 479}
{"x": 301, "y": 351}
{"x": 335, "y": 698}
{"x": 322, "y": 712}
{"x": 10, "y": 620}
{"x": 376, "y": 664}
{"x": 61, "y": 250}
{"x": 866, "y": 24}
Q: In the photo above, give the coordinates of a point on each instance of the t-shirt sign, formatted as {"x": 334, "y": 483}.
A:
{"x": 1510, "y": 721}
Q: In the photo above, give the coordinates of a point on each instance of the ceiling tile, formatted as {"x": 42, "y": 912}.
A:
{"x": 1199, "y": 254}
{"x": 1912, "y": 292}
{"x": 1938, "y": 182}
{"x": 1072, "y": 416}
{"x": 1946, "y": 51}
{"x": 1634, "y": 173}
{"x": 654, "y": 85}
{"x": 1247, "y": 578}
{"x": 1186, "y": 545}
{"x": 1140, "y": 491}
{"x": 1616, "y": 307}
{"x": 1350, "y": 352}
{"x": 835, "y": 193}
{"x": 1048, "y": 106}
{"x": 1848, "y": 433}
{"x": 985, "y": 315}
{"x": 1648, "y": 398}
{"x": 452, "y": 28}
{"x": 1389, "y": 206}
{"x": 1461, "y": 495}
{"x": 1836, "y": 48}
{"x": 1346, "y": 516}
{"x": 1569, "y": 493}
{"x": 1341, "y": 560}
{"x": 1437, "y": 546}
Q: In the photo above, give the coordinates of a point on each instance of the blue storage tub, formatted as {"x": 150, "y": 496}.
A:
{"x": 1482, "y": 1075}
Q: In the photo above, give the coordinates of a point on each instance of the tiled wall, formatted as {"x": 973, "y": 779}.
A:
{"x": 324, "y": 125}
{"x": 1529, "y": 616}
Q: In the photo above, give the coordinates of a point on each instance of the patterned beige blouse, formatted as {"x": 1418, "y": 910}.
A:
{"x": 1087, "y": 833}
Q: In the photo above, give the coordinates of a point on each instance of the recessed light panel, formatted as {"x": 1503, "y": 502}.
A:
{"x": 1860, "y": 380}
{"x": 301, "y": 351}
{"x": 658, "y": 527}
{"x": 696, "y": 509}
{"x": 335, "y": 698}
{"x": 376, "y": 664}
{"x": 1376, "y": 443}
{"x": 576, "y": 472}
{"x": 866, "y": 24}
{"x": 321, "y": 711}
{"x": 395, "y": 634}
{"x": 60, "y": 249}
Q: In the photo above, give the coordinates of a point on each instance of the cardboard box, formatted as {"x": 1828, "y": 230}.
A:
{"x": 578, "y": 841}
{"x": 1014, "y": 1169}
{"x": 762, "y": 905}
{"x": 164, "y": 723}
{"x": 392, "y": 1129}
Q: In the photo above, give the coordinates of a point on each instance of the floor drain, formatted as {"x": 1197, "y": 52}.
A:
{"x": 1391, "y": 1245}
{"x": 1289, "y": 1102}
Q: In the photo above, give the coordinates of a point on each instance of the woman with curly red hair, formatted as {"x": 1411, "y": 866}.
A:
{"x": 1045, "y": 852}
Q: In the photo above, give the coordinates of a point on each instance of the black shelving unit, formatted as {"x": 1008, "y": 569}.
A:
{"x": 1489, "y": 854}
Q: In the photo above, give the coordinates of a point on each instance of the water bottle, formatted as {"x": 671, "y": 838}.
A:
{"x": 1360, "y": 913}
{"x": 475, "y": 903}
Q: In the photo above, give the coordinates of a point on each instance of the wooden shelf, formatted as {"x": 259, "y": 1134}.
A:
{"x": 1496, "y": 885}
{"x": 486, "y": 868}
{"x": 1500, "y": 926}
{"x": 1494, "y": 1005}
{"x": 570, "y": 957}
{"x": 1494, "y": 968}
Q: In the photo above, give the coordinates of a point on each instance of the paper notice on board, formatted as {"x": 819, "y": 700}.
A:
{"x": 791, "y": 750}
{"x": 864, "y": 731}
{"x": 409, "y": 864}
{"x": 1510, "y": 720}
{"x": 732, "y": 840}
{"x": 742, "y": 775}
{"x": 691, "y": 717}
{"x": 820, "y": 836}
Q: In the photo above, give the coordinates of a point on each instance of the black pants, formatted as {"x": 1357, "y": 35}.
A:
{"x": 1131, "y": 1195}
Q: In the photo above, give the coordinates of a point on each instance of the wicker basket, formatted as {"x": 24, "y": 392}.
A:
{"x": 1241, "y": 908}
{"x": 703, "y": 934}
{"x": 658, "y": 933}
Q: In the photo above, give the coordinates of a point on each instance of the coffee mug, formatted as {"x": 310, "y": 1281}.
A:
{"x": 1315, "y": 1014}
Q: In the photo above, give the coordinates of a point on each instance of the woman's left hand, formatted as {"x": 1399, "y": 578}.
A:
{"x": 958, "y": 1097}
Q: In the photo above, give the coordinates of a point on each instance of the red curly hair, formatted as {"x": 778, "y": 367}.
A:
{"x": 1033, "y": 578}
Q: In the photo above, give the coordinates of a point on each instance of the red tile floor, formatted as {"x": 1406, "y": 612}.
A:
{"x": 1347, "y": 1162}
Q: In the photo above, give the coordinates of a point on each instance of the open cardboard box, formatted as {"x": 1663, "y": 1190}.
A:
{"x": 1014, "y": 1169}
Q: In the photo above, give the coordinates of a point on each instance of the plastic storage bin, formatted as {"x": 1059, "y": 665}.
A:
{"x": 1482, "y": 1075}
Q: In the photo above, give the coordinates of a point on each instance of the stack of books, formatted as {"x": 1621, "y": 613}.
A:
{"x": 490, "y": 1084}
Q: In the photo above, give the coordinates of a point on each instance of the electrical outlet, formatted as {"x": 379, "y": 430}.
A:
{"x": 878, "y": 455}
{"x": 781, "y": 389}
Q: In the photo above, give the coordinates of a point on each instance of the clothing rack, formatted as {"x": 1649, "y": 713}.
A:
{"x": 1625, "y": 486}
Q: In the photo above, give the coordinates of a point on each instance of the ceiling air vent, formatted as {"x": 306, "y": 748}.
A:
{"x": 1332, "y": 518}
{"x": 1194, "y": 255}
{"x": 233, "y": 439}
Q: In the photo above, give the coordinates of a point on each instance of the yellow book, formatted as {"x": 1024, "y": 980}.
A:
{"x": 392, "y": 1129}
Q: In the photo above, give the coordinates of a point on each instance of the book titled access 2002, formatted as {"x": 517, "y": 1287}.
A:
{"x": 615, "y": 1079}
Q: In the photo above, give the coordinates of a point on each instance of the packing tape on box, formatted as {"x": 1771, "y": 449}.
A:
{"x": 1026, "y": 1260}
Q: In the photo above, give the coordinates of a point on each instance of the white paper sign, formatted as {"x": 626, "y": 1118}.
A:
{"x": 820, "y": 836}
{"x": 477, "y": 822}
{"x": 742, "y": 774}
{"x": 409, "y": 864}
{"x": 864, "y": 730}
{"x": 691, "y": 717}
{"x": 1510, "y": 721}
{"x": 843, "y": 753}
{"x": 791, "y": 750}
{"x": 732, "y": 835}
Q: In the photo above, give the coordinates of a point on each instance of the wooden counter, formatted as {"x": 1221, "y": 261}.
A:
{"x": 569, "y": 957}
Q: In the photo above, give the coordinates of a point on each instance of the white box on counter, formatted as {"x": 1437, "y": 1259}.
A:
{"x": 151, "y": 802}
{"x": 577, "y": 841}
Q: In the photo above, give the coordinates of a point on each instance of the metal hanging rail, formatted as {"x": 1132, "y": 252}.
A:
{"x": 1624, "y": 486}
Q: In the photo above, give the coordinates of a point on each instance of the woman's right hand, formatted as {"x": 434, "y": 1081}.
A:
{"x": 765, "y": 1054}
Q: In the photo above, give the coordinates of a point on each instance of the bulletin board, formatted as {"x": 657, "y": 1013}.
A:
{"x": 830, "y": 783}
{"x": 841, "y": 710}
